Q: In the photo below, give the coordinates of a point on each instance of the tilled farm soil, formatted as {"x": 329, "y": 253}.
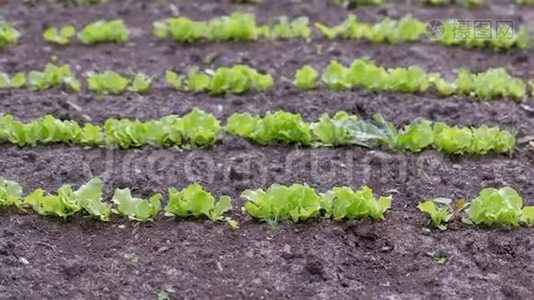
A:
{"x": 81, "y": 258}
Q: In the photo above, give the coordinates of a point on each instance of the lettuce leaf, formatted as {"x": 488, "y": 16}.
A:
{"x": 136, "y": 208}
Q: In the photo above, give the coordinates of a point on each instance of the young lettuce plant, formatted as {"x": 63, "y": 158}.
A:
{"x": 280, "y": 127}
{"x": 290, "y": 29}
{"x": 497, "y": 207}
{"x": 196, "y": 202}
{"x": 16, "y": 81}
{"x": 527, "y": 216}
{"x": 66, "y": 202}
{"x": 197, "y": 82}
{"x": 10, "y": 193}
{"x": 47, "y": 130}
{"x": 342, "y": 203}
{"x": 136, "y": 209}
{"x": 439, "y": 210}
{"x": 104, "y": 32}
{"x": 235, "y": 27}
{"x": 306, "y": 78}
{"x": 337, "y": 77}
{"x": 366, "y": 74}
{"x": 175, "y": 80}
{"x": 107, "y": 83}
{"x": 59, "y": 36}
{"x": 62, "y": 205}
{"x": 140, "y": 83}
{"x": 345, "y": 129}
{"x": 180, "y": 29}
{"x": 53, "y": 76}
{"x": 8, "y": 34}
{"x": 404, "y": 30}
{"x": 297, "y": 203}
{"x": 415, "y": 137}
{"x": 238, "y": 79}
{"x": 490, "y": 84}
{"x": 195, "y": 129}
{"x": 461, "y": 140}
{"x": 89, "y": 196}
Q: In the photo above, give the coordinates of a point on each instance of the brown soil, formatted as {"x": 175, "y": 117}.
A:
{"x": 82, "y": 258}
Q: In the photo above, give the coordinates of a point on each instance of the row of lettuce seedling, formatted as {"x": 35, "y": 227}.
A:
{"x": 363, "y": 73}
{"x": 297, "y": 203}
{"x": 243, "y": 27}
{"x": 200, "y": 129}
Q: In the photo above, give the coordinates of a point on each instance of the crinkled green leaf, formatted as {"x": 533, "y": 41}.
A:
{"x": 10, "y": 193}
{"x": 297, "y": 203}
{"x": 104, "y": 32}
{"x": 306, "y": 78}
{"x": 439, "y": 210}
{"x": 195, "y": 201}
{"x": 136, "y": 208}
{"x": 89, "y": 197}
{"x": 496, "y": 207}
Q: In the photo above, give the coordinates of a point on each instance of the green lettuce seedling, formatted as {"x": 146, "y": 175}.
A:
{"x": 104, "y": 32}
{"x": 490, "y": 84}
{"x": 173, "y": 79}
{"x": 345, "y": 129}
{"x": 496, "y": 207}
{"x": 62, "y": 205}
{"x": 136, "y": 209}
{"x": 180, "y": 29}
{"x": 238, "y": 79}
{"x": 404, "y": 30}
{"x": 140, "y": 83}
{"x": 297, "y": 203}
{"x": 10, "y": 193}
{"x": 89, "y": 196}
{"x": 235, "y": 27}
{"x": 280, "y": 127}
{"x": 53, "y": 76}
{"x": 527, "y": 216}
{"x": 195, "y": 129}
{"x": 416, "y": 137}
{"x": 107, "y": 83}
{"x": 61, "y": 36}
{"x": 461, "y": 140}
{"x": 290, "y": 29}
{"x": 306, "y": 78}
{"x": 68, "y": 202}
{"x": 366, "y": 74}
{"x": 8, "y": 34}
{"x": 439, "y": 210}
{"x": 344, "y": 203}
{"x": 17, "y": 81}
{"x": 197, "y": 82}
{"x": 199, "y": 129}
{"x": 46, "y": 130}
{"x": 336, "y": 76}
{"x": 196, "y": 202}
